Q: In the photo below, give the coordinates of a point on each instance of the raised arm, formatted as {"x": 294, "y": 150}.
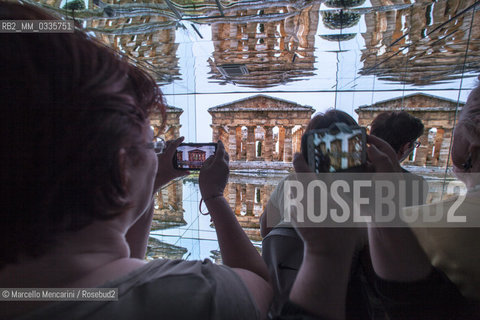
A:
{"x": 321, "y": 284}
{"x": 236, "y": 249}
{"x": 137, "y": 235}
{"x": 396, "y": 254}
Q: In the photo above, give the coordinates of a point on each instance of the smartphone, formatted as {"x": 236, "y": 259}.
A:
{"x": 191, "y": 156}
{"x": 340, "y": 148}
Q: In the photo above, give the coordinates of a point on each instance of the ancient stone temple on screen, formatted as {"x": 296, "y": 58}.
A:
{"x": 260, "y": 129}
{"x": 437, "y": 115}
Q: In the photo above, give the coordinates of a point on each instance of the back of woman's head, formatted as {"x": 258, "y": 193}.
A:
{"x": 68, "y": 105}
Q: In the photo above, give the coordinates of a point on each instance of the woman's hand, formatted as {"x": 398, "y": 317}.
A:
{"x": 380, "y": 156}
{"x": 214, "y": 174}
{"x": 166, "y": 172}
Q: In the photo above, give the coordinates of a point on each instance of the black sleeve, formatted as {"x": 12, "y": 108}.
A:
{"x": 435, "y": 297}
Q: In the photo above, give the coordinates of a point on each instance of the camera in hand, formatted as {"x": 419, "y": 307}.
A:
{"x": 340, "y": 148}
{"x": 191, "y": 156}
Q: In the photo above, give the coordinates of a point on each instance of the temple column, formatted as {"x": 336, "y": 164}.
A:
{"x": 156, "y": 130}
{"x": 232, "y": 143}
{"x": 215, "y": 133}
{"x": 170, "y": 198}
{"x": 176, "y": 131}
{"x": 249, "y": 199}
{"x": 268, "y": 147}
{"x": 238, "y": 139}
{"x": 445, "y": 148}
{"x": 244, "y": 147}
{"x": 243, "y": 195}
{"x": 281, "y": 143}
{"x": 172, "y": 132}
{"x": 250, "y": 143}
{"x": 238, "y": 199}
{"x": 223, "y": 136}
{"x": 179, "y": 194}
{"x": 437, "y": 144}
{"x": 297, "y": 140}
{"x": 288, "y": 145}
{"x": 267, "y": 190}
{"x": 232, "y": 192}
{"x": 421, "y": 152}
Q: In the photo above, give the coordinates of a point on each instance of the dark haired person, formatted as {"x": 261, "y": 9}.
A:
{"x": 365, "y": 292}
{"x": 79, "y": 170}
{"x": 283, "y": 248}
{"x": 274, "y": 206}
{"x": 400, "y": 129}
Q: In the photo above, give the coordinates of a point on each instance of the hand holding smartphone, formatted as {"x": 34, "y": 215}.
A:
{"x": 191, "y": 156}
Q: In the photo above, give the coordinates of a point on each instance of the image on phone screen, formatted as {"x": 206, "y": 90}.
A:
{"x": 191, "y": 156}
{"x": 337, "y": 149}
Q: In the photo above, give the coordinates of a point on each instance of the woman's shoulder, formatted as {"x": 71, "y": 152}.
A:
{"x": 170, "y": 289}
{"x": 161, "y": 269}
{"x": 190, "y": 288}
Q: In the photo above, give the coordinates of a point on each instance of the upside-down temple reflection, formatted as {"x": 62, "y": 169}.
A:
{"x": 261, "y": 44}
{"x": 168, "y": 207}
{"x": 248, "y": 195}
{"x": 424, "y": 43}
{"x": 275, "y": 49}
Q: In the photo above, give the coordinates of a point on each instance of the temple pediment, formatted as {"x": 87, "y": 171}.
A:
{"x": 417, "y": 102}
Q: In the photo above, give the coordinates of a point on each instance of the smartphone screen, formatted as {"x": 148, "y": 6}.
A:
{"x": 191, "y": 156}
{"x": 339, "y": 148}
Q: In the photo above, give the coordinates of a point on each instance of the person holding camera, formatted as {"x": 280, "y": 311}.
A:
{"x": 376, "y": 276}
{"x": 80, "y": 166}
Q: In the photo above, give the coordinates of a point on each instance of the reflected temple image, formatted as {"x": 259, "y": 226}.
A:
{"x": 276, "y": 48}
{"x": 423, "y": 43}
